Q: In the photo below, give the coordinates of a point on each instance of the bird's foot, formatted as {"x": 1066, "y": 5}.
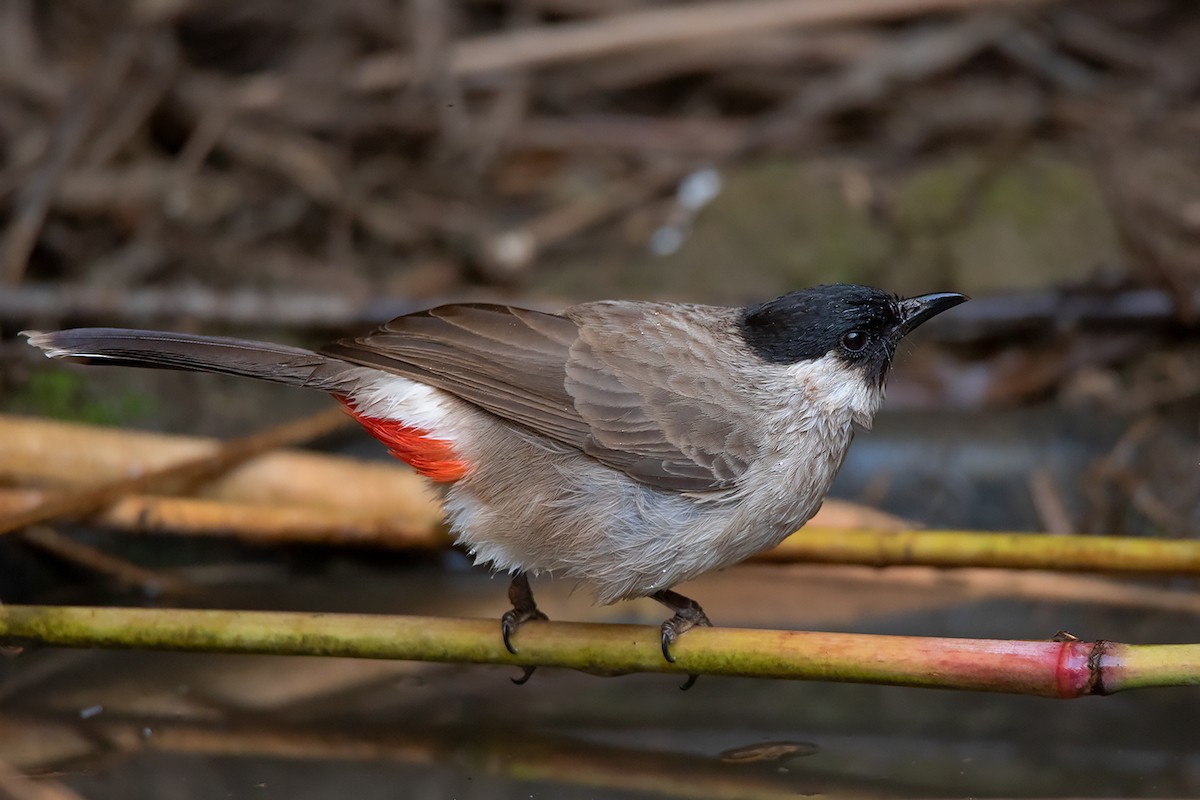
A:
{"x": 515, "y": 619}
{"x": 524, "y": 610}
{"x": 688, "y": 615}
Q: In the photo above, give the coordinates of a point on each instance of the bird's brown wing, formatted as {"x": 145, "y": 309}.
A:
{"x": 654, "y": 386}
{"x": 608, "y": 379}
{"x": 506, "y": 360}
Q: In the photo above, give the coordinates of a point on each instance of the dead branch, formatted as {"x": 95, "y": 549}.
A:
{"x": 59, "y": 454}
{"x": 635, "y": 30}
{"x": 95, "y": 497}
{"x": 150, "y": 582}
{"x": 259, "y": 523}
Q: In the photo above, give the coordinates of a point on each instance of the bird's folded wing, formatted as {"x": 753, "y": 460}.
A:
{"x": 608, "y": 379}
{"x": 508, "y": 361}
{"x": 652, "y": 383}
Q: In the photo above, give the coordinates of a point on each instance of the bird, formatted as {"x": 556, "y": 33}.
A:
{"x": 628, "y": 446}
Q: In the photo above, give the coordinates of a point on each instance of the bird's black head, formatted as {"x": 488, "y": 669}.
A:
{"x": 857, "y": 324}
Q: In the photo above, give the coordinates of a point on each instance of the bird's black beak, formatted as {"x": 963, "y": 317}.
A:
{"x": 915, "y": 310}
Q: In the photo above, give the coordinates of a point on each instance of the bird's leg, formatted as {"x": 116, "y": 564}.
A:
{"x": 688, "y": 615}
{"x": 524, "y": 609}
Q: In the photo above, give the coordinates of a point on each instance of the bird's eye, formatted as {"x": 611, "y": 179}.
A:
{"x": 854, "y": 341}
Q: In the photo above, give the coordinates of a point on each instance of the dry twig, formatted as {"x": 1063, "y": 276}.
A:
{"x": 635, "y": 30}
{"x": 149, "y": 581}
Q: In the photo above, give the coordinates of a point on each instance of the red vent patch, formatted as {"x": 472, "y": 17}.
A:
{"x": 432, "y": 457}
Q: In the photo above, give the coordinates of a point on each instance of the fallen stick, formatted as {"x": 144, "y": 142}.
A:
{"x": 63, "y": 454}
{"x": 252, "y": 522}
{"x": 149, "y": 581}
{"x": 1064, "y": 669}
{"x": 94, "y": 497}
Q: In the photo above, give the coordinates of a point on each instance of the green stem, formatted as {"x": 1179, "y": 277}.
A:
{"x": 1126, "y": 554}
{"x": 1052, "y": 669}
{"x": 1143, "y": 666}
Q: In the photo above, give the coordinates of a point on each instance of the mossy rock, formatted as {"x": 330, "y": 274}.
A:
{"x": 957, "y": 222}
{"x": 1036, "y": 220}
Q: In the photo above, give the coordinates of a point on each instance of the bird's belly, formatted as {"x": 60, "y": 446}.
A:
{"x": 529, "y": 505}
{"x": 568, "y": 515}
{"x": 622, "y": 541}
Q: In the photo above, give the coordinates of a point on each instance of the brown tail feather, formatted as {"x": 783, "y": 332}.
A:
{"x": 272, "y": 362}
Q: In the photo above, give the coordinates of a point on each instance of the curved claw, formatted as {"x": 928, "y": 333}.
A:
{"x": 688, "y": 615}
{"x": 526, "y": 674}
{"x": 667, "y": 641}
{"x": 514, "y": 619}
{"x": 524, "y": 609}
{"x": 668, "y": 638}
{"x": 508, "y": 626}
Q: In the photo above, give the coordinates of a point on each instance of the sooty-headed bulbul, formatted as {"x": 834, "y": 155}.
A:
{"x": 629, "y": 446}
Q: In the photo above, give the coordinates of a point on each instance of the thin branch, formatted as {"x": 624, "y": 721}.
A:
{"x": 983, "y": 583}
{"x": 637, "y": 30}
{"x": 1120, "y": 554}
{"x": 91, "y": 558}
{"x": 1048, "y": 501}
{"x": 1071, "y": 668}
{"x": 83, "y": 105}
{"x": 514, "y": 250}
{"x": 35, "y": 196}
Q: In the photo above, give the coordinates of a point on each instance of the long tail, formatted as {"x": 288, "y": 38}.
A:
{"x": 272, "y": 362}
